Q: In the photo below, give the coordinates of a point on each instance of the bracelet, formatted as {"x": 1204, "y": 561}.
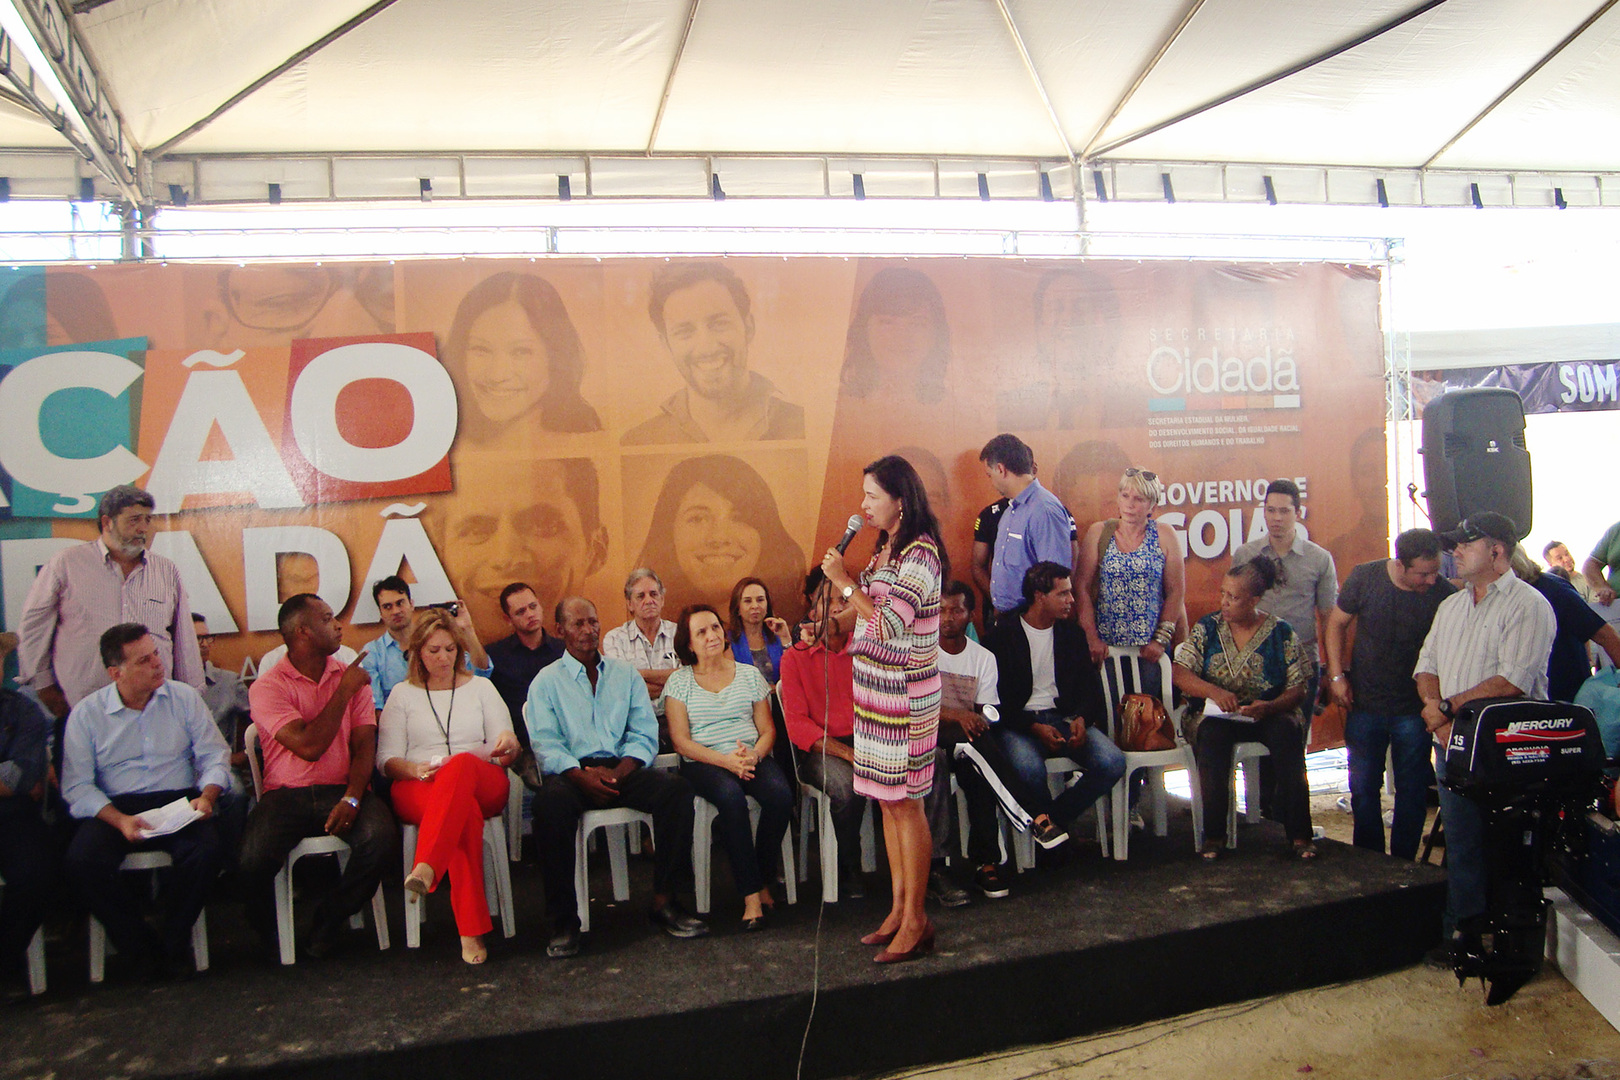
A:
{"x": 352, "y": 801}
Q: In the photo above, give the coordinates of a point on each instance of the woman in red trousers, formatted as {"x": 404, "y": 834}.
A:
{"x": 445, "y": 739}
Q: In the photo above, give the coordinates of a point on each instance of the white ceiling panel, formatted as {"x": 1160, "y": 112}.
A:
{"x": 851, "y": 76}
{"x": 924, "y": 93}
{"x": 1392, "y": 101}
{"x": 458, "y": 75}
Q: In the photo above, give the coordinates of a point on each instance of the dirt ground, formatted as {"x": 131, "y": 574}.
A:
{"x": 1414, "y": 1024}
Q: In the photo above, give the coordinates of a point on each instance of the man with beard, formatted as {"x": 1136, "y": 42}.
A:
{"x": 86, "y": 590}
{"x": 704, "y": 319}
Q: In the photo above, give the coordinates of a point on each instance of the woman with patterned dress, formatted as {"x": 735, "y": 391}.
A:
{"x": 895, "y": 614}
{"x": 1132, "y": 584}
{"x": 1248, "y": 664}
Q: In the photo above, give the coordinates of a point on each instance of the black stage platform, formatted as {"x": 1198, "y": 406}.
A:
{"x": 1079, "y": 947}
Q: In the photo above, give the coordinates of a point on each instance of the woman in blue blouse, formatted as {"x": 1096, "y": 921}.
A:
{"x": 757, "y": 635}
{"x": 1248, "y": 665}
{"x": 720, "y": 723}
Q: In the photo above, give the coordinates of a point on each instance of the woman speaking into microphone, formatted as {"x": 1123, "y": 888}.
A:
{"x": 894, "y": 609}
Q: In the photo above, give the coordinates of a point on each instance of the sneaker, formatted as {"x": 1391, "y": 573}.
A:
{"x": 1047, "y": 834}
{"x": 991, "y": 882}
{"x": 947, "y": 892}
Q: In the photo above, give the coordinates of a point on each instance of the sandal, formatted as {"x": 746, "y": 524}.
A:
{"x": 1210, "y": 852}
{"x": 1306, "y": 851}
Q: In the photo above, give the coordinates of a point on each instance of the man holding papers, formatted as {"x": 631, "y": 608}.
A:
{"x": 133, "y": 747}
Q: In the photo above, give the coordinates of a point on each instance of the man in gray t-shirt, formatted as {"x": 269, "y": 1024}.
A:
{"x": 1392, "y": 603}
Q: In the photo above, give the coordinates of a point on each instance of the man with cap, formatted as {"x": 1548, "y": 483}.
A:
{"x": 1489, "y": 639}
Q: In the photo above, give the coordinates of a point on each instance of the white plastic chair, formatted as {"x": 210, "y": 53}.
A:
{"x": 311, "y": 845}
{"x": 704, "y": 814}
{"x": 145, "y": 860}
{"x": 36, "y": 958}
{"x": 1247, "y": 755}
{"x": 1061, "y": 772}
{"x": 497, "y": 879}
{"x": 815, "y": 811}
{"x": 1155, "y": 761}
{"x": 613, "y": 820}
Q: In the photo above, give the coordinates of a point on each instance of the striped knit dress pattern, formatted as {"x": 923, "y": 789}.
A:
{"x": 897, "y": 685}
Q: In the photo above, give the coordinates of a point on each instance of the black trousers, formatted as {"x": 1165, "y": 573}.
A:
{"x": 988, "y": 780}
{"x": 1291, "y": 798}
{"x": 666, "y": 795}
{"x": 91, "y": 868}
{"x": 287, "y": 815}
{"x": 28, "y": 863}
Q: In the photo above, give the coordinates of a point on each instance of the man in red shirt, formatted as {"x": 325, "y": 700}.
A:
{"x": 818, "y": 703}
{"x": 318, "y": 735}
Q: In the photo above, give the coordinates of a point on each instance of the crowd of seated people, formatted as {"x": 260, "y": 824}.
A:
{"x": 116, "y": 723}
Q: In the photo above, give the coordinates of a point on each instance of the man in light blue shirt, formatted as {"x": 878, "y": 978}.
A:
{"x": 1034, "y": 528}
{"x": 387, "y": 659}
{"x": 134, "y": 746}
{"x": 592, "y": 726}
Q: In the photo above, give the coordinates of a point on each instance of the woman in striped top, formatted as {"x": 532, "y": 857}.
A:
{"x": 720, "y": 722}
{"x": 897, "y": 686}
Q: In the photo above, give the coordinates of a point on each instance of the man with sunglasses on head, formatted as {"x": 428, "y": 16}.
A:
{"x": 1035, "y": 527}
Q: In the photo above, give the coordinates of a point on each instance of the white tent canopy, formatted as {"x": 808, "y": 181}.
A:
{"x": 1292, "y": 100}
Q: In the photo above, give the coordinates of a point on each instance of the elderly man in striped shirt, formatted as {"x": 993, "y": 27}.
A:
{"x": 1490, "y": 639}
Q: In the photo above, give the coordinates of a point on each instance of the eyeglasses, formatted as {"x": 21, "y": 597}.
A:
{"x": 1143, "y": 473}
{"x": 282, "y": 298}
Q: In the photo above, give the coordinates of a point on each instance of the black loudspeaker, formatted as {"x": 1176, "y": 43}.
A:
{"x": 1474, "y": 457}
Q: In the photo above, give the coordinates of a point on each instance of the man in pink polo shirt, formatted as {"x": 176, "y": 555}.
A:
{"x": 318, "y": 736}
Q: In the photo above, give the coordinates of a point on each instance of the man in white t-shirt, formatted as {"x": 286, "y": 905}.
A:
{"x": 1051, "y": 693}
{"x": 968, "y": 712}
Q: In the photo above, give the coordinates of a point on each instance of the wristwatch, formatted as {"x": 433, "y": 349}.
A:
{"x": 1340, "y": 677}
{"x": 352, "y": 801}
{"x": 1445, "y": 708}
{"x": 849, "y": 591}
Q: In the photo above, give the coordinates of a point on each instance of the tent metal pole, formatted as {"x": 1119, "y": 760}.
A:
{"x": 1602, "y": 10}
{"x": 1261, "y": 83}
{"x": 84, "y": 112}
{"x": 1142, "y": 76}
{"x": 1035, "y": 78}
{"x": 270, "y": 76}
{"x": 669, "y": 80}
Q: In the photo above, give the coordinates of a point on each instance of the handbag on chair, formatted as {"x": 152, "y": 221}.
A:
{"x": 1144, "y": 726}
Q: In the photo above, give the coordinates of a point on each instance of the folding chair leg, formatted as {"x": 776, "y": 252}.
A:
{"x": 829, "y": 850}
{"x": 199, "y": 941}
{"x": 284, "y": 916}
{"x": 379, "y": 916}
{"x": 582, "y": 893}
{"x": 36, "y": 962}
{"x": 618, "y": 860}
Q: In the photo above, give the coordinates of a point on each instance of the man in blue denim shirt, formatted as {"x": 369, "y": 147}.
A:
{"x": 1034, "y": 528}
{"x": 386, "y": 659}
{"x": 592, "y": 726}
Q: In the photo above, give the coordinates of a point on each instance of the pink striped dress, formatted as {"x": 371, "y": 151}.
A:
{"x": 897, "y": 688}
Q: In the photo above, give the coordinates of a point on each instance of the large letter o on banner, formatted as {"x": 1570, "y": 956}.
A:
{"x": 315, "y": 419}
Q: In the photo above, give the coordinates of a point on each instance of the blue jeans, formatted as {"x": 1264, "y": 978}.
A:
{"x": 1465, "y": 854}
{"x": 1369, "y": 736}
{"x": 753, "y": 854}
{"x": 1101, "y": 763}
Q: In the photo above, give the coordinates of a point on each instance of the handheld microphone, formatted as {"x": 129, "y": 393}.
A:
{"x": 852, "y": 527}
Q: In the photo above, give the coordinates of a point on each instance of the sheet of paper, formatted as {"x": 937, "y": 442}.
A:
{"x": 169, "y": 818}
{"x": 1236, "y": 718}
